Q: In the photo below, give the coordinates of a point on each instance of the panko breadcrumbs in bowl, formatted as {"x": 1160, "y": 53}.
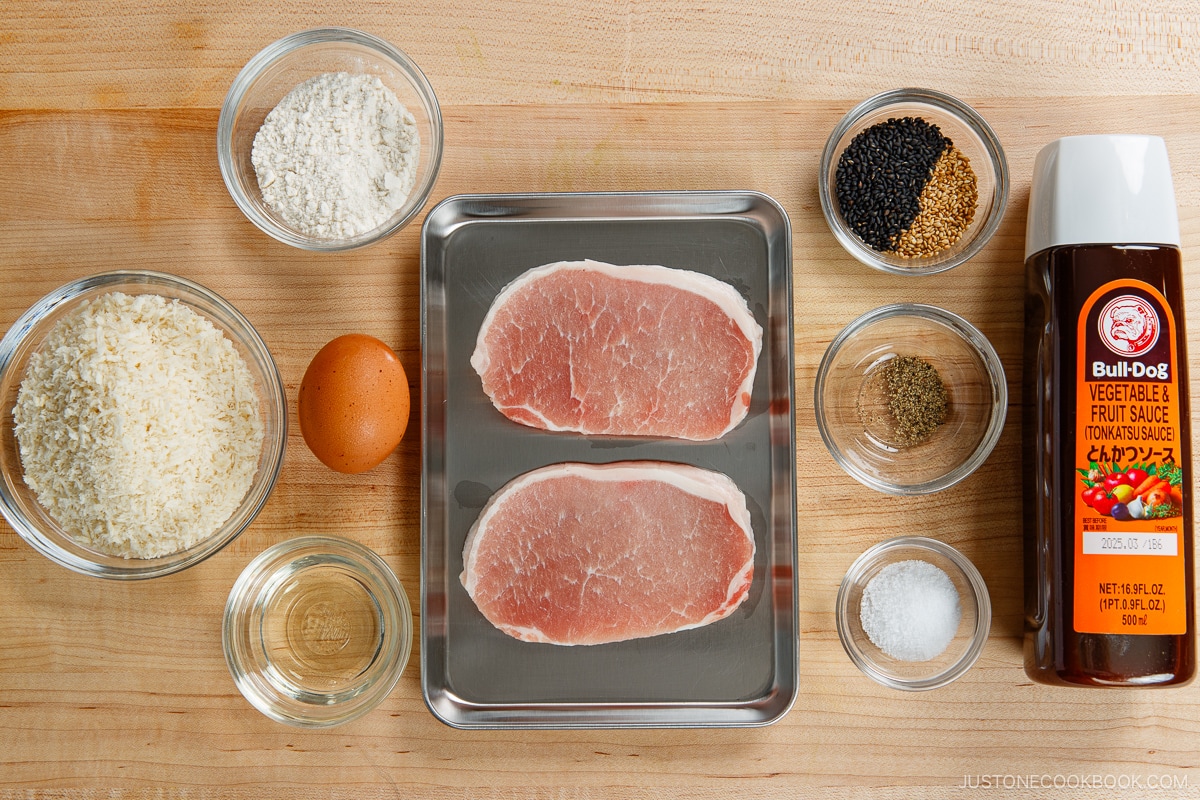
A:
{"x": 143, "y": 424}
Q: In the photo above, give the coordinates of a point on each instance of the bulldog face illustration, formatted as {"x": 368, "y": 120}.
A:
{"x": 1129, "y": 326}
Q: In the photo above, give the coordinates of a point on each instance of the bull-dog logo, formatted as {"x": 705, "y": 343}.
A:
{"x": 1128, "y": 326}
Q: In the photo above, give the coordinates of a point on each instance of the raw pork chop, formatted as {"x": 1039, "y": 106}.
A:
{"x": 629, "y": 351}
{"x": 587, "y": 554}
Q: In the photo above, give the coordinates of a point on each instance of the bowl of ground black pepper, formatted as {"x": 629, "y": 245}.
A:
{"x": 913, "y": 182}
{"x": 330, "y": 139}
{"x": 910, "y": 399}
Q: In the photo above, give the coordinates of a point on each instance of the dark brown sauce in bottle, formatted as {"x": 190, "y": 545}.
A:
{"x": 1058, "y": 283}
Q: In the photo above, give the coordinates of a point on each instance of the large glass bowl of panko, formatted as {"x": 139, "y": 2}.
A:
{"x": 330, "y": 139}
{"x": 142, "y": 424}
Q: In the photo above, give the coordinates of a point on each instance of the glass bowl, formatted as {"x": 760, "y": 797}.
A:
{"x": 973, "y": 626}
{"x": 285, "y": 64}
{"x": 852, "y": 412}
{"x": 969, "y": 133}
{"x": 18, "y": 502}
{"x": 317, "y": 631}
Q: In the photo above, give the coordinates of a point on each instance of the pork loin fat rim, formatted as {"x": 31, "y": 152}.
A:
{"x": 582, "y": 554}
{"x": 639, "y": 350}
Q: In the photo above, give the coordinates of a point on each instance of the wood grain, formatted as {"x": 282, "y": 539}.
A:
{"x": 169, "y": 54}
{"x": 108, "y": 115}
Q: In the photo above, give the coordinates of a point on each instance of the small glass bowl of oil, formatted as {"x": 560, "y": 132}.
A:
{"x": 317, "y": 631}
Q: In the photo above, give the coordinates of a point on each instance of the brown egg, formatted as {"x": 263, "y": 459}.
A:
{"x": 353, "y": 403}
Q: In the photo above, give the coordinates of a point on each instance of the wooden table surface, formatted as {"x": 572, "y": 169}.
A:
{"x": 108, "y": 114}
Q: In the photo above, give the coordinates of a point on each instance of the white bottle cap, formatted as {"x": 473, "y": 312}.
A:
{"x": 1111, "y": 189}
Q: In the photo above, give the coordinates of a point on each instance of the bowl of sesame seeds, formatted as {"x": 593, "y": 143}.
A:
{"x": 913, "y": 182}
{"x": 910, "y": 399}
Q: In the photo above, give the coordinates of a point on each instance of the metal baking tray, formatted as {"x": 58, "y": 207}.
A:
{"x": 739, "y": 671}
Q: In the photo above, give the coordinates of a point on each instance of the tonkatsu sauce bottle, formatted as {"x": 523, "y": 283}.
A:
{"x": 1107, "y": 434}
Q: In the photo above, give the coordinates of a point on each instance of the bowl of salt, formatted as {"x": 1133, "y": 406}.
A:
{"x": 913, "y": 613}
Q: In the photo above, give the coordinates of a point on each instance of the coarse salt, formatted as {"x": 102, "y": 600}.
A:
{"x": 910, "y": 610}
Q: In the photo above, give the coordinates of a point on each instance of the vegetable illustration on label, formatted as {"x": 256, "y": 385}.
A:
{"x": 1144, "y": 491}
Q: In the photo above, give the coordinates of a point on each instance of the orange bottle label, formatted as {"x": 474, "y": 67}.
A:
{"x": 1129, "y": 549}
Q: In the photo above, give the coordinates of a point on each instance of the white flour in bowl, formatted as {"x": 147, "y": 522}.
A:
{"x": 338, "y": 156}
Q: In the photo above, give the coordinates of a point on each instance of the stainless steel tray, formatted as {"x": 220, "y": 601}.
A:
{"x": 740, "y": 671}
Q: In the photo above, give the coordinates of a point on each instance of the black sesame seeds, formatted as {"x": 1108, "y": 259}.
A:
{"x": 905, "y": 189}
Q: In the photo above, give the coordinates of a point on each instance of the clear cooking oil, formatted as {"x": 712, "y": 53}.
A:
{"x": 321, "y": 629}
